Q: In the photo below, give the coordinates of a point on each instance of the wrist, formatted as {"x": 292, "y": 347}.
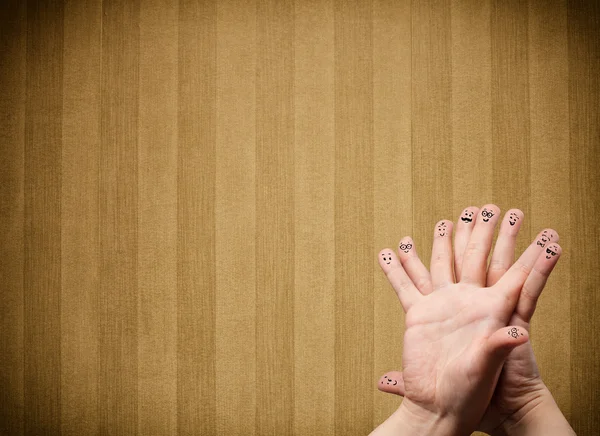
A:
{"x": 411, "y": 419}
{"x": 541, "y": 415}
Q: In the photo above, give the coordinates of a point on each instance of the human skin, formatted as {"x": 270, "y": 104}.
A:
{"x": 459, "y": 332}
{"x": 520, "y": 395}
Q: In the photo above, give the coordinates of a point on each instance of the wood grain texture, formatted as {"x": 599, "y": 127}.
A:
{"x": 274, "y": 234}
{"x": 196, "y": 244}
{"x": 81, "y": 137}
{"x": 392, "y": 176}
{"x": 193, "y": 195}
{"x": 157, "y": 219}
{"x": 472, "y": 152}
{"x": 353, "y": 59}
{"x": 550, "y": 196}
{"x": 584, "y": 139}
{"x": 510, "y": 111}
{"x": 314, "y": 254}
{"x": 235, "y": 224}
{"x": 118, "y": 202}
{"x": 42, "y": 227}
{"x": 432, "y": 152}
{"x": 13, "y": 51}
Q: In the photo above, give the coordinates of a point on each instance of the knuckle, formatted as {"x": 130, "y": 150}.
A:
{"x": 529, "y": 293}
{"x": 473, "y": 248}
{"x": 440, "y": 258}
{"x": 497, "y": 265}
{"x": 421, "y": 282}
{"x": 523, "y": 267}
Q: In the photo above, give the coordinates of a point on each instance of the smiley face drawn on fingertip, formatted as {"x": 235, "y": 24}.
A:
{"x": 442, "y": 229}
{"x": 512, "y": 218}
{"x": 389, "y": 381}
{"x": 515, "y": 332}
{"x": 545, "y": 238}
{"x": 486, "y": 214}
{"x": 467, "y": 216}
{"x": 405, "y": 247}
{"x": 387, "y": 259}
{"x": 551, "y": 251}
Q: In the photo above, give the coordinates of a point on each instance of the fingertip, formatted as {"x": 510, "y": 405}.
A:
{"x": 517, "y": 335}
{"x": 392, "y": 382}
{"x": 514, "y": 215}
{"x": 406, "y": 247}
{"x": 443, "y": 228}
{"x": 504, "y": 340}
{"x": 511, "y": 223}
{"x": 387, "y": 259}
{"x": 546, "y": 236}
{"x": 489, "y": 213}
{"x": 552, "y": 251}
{"x": 468, "y": 216}
{"x": 516, "y": 211}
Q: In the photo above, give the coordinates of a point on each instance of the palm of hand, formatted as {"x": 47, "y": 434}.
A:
{"x": 442, "y": 344}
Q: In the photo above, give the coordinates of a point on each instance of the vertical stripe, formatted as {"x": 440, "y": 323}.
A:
{"x": 471, "y": 105}
{"x": 235, "y": 222}
{"x": 118, "y": 220}
{"x": 392, "y": 177}
{"x": 157, "y": 219}
{"x": 314, "y": 157}
{"x": 550, "y": 198}
{"x": 196, "y": 397}
{"x": 584, "y": 125}
{"x": 80, "y": 244}
{"x": 510, "y": 111}
{"x": 42, "y": 265}
{"x": 13, "y": 45}
{"x": 354, "y": 249}
{"x": 274, "y": 217}
{"x": 431, "y": 120}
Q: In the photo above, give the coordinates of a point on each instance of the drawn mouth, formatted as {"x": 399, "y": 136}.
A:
{"x": 467, "y": 220}
{"x": 406, "y": 251}
{"x": 389, "y": 263}
{"x": 511, "y": 223}
{"x": 547, "y": 257}
{"x": 485, "y": 220}
{"x": 442, "y": 234}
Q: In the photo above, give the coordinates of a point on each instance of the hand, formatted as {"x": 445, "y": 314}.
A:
{"x": 453, "y": 348}
{"x": 519, "y": 384}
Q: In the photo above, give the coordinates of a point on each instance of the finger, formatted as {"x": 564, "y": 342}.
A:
{"x": 512, "y": 281}
{"x": 534, "y": 284}
{"x": 464, "y": 228}
{"x": 418, "y": 273}
{"x": 502, "y": 342}
{"x": 392, "y": 383}
{"x": 476, "y": 253}
{"x": 504, "y": 250}
{"x": 490, "y": 353}
{"x": 441, "y": 255}
{"x": 404, "y": 287}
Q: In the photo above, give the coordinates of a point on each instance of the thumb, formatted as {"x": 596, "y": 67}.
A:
{"x": 392, "y": 383}
{"x": 503, "y": 341}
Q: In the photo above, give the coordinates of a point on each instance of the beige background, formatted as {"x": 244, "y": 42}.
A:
{"x": 193, "y": 195}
